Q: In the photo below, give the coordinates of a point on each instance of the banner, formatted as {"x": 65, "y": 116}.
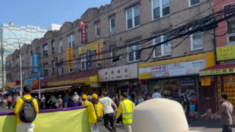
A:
{"x": 225, "y": 52}
{"x": 29, "y": 81}
{"x": 57, "y": 120}
{"x": 217, "y": 71}
{"x": 35, "y": 63}
{"x": 83, "y": 32}
{"x": 173, "y": 69}
{"x": 69, "y": 58}
{"x": 88, "y": 58}
{"x": 91, "y": 46}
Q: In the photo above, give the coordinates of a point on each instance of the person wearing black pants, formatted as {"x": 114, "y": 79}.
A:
{"x": 107, "y": 104}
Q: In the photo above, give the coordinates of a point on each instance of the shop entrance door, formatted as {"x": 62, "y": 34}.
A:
{"x": 207, "y": 95}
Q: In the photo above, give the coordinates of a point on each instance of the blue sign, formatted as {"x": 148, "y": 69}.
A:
{"x": 29, "y": 81}
{"x": 88, "y": 58}
{"x": 35, "y": 63}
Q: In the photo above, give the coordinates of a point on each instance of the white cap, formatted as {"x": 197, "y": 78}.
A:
{"x": 159, "y": 115}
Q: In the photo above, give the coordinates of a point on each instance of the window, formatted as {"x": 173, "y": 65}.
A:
{"x": 61, "y": 70}
{"x": 71, "y": 41}
{"x": 61, "y": 46}
{"x": 163, "y": 49}
{"x": 193, "y": 2}
{"x": 134, "y": 55}
{"x": 97, "y": 30}
{"x": 231, "y": 32}
{"x": 196, "y": 41}
{"x": 45, "y": 66}
{"x": 53, "y": 47}
{"x": 133, "y": 17}
{"x": 22, "y": 59}
{"x": 83, "y": 62}
{"x": 45, "y": 50}
{"x": 112, "y": 25}
{"x": 53, "y": 67}
{"x": 160, "y": 8}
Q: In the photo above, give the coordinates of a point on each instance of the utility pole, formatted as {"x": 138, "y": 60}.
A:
{"x": 2, "y": 57}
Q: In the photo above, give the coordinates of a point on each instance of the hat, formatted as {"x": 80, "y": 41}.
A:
{"x": 84, "y": 96}
{"x": 158, "y": 116}
{"x": 94, "y": 96}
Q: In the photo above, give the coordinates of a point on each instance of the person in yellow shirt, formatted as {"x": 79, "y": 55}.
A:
{"x": 92, "y": 118}
{"x": 126, "y": 108}
{"x": 26, "y": 117}
{"x": 98, "y": 111}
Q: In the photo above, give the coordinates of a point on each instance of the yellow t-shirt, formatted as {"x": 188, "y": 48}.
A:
{"x": 19, "y": 104}
{"x": 92, "y": 118}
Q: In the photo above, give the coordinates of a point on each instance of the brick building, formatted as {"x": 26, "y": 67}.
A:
{"x": 124, "y": 23}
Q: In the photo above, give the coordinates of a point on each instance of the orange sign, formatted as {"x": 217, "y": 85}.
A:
{"x": 206, "y": 81}
{"x": 35, "y": 83}
{"x": 69, "y": 58}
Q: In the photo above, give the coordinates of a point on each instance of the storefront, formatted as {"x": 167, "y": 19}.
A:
{"x": 221, "y": 76}
{"x": 168, "y": 76}
{"x": 120, "y": 79}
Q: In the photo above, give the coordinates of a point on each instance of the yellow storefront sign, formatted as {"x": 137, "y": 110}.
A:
{"x": 93, "y": 78}
{"x": 217, "y": 71}
{"x": 145, "y": 76}
{"x": 67, "y": 82}
{"x": 97, "y": 45}
{"x": 225, "y": 52}
{"x": 206, "y": 81}
{"x": 69, "y": 58}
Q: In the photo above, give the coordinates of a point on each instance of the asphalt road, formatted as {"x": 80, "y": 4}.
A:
{"x": 196, "y": 126}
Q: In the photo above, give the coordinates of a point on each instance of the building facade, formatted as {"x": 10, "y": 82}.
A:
{"x": 12, "y": 35}
{"x": 81, "y": 55}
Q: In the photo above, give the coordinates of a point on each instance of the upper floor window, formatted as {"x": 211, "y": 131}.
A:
{"x": 71, "y": 43}
{"x": 231, "y": 32}
{"x": 83, "y": 62}
{"x": 61, "y": 46}
{"x": 45, "y": 67}
{"x": 97, "y": 30}
{"x": 133, "y": 17}
{"x": 163, "y": 49}
{"x": 61, "y": 70}
{"x": 53, "y": 47}
{"x": 53, "y": 67}
{"x": 193, "y": 2}
{"x": 112, "y": 25}
{"x": 45, "y": 50}
{"x": 134, "y": 54}
{"x": 196, "y": 41}
{"x": 160, "y": 8}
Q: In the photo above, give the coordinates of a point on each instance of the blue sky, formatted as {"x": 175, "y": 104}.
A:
{"x": 44, "y": 12}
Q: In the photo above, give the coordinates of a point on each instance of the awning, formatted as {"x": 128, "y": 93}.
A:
{"x": 52, "y": 89}
{"x": 218, "y": 70}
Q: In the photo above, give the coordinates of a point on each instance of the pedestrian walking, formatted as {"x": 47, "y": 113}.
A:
{"x": 107, "y": 104}
{"x": 92, "y": 118}
{"x": 98, "y": 112}
{"x": 226, "y": 112}
{"x": 9, "y": 101}
{"x": 26, "y": 110}
{"x": 126, "y": 108}
{"x": 75, "y": 99}
{"x": 156, "y": 94}
{"x": 43, "y": 102}
{"x": 66, "y": 101}
{"x": 60, "y": 102}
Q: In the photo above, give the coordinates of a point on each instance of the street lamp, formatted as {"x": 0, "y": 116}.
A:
{"x": 21, "y": 89}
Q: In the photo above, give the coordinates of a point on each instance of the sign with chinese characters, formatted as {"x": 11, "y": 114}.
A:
{"x": 69, "y": 58}
{"x": 173, "y": 69}
{"x": 91, "y": 46}
{"x": 67, "y": 82}
{"x": 83, "y": 32}
{"x": 225, "y": 52}
{"x": 35, "y": 63}
{"x": 88, "y": 58}
{"x": 217, "y": 71}
{"x": 206, "y": 81}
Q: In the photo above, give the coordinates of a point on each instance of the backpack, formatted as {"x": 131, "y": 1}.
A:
{"x": 28, "y": 113}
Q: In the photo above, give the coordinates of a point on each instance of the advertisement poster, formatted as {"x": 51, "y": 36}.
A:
{"x": 35, "y": 63}
{"x": 160, "y": 71}
{"x": 177, "y": 69}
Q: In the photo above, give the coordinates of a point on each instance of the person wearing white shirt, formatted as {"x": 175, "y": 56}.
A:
{"x": 107, "y": 104}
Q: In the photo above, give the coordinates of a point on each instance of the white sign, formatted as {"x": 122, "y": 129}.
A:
{"x": 160, "y": 71}
{"x": 177, "y": 69}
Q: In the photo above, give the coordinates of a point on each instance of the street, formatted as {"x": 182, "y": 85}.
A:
{"x": 196, "y": 126}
